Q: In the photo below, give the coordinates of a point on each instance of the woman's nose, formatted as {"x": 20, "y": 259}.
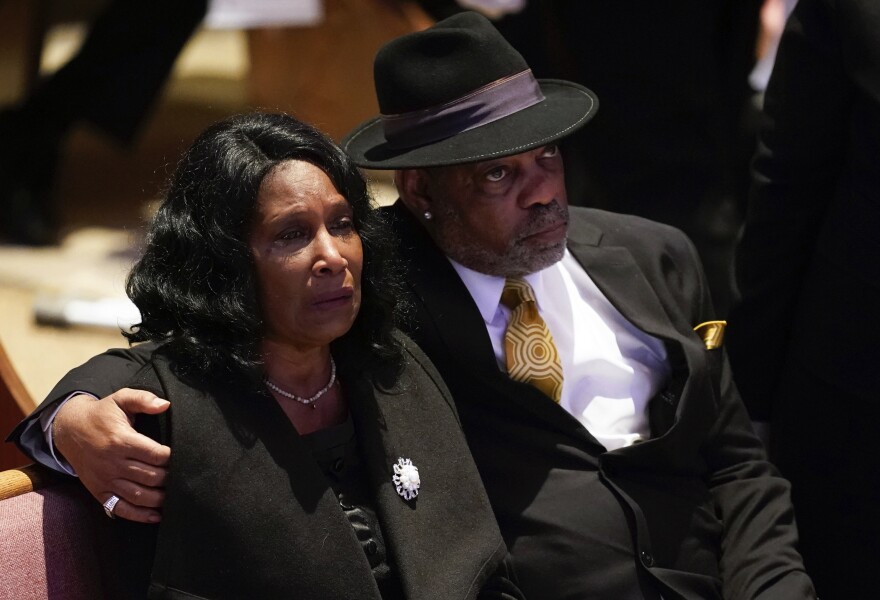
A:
{"x": 328, "y": 258}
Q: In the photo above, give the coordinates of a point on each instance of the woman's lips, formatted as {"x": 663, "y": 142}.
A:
{"x": 333, "y": 299}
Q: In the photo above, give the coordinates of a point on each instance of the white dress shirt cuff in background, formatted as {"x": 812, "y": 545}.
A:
{"x": 494, "y": 9}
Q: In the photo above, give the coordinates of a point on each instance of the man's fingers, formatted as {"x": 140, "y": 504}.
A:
{"x": 137, "y": 495}
{"x": 111, "y": 458}
{"x": 145, "y": 474}
{"x": 139, "y": 401}
{"x": 146, "y": 450}
{"x": 126, "y": 510}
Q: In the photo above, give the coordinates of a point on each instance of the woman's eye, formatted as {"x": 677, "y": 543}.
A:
{"x": 292, "y": 234}
{"x": 496, "y": 174}
{"x": 345, "y": 225}
{"x": 550, "y": 151}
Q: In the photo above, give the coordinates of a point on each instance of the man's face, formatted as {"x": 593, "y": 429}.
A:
{"x": 506, "y": 217}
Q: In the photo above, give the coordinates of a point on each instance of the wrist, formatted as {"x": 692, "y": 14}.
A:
{"x": 68, "y": 412}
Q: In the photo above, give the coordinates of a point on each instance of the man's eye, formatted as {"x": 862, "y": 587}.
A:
{"x": 496, "y": 174}
{"x": 550, "y": 151}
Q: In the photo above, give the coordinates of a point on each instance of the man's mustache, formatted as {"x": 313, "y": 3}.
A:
{"x": 545, "y": 216}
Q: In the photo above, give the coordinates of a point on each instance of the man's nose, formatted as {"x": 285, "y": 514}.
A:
{"x": 540, "y": 188}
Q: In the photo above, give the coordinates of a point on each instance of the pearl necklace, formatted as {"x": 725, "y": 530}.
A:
{"x": 307, "y": 401}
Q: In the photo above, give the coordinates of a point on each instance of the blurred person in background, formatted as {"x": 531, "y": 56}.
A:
{"x": 803, "y": 342}
{"x": 111, "y": 83}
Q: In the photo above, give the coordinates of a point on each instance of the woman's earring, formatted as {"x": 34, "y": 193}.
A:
{"x": 428, "y": 215}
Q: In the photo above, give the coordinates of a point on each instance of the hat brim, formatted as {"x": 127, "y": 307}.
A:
{"x": 566, "y": 107}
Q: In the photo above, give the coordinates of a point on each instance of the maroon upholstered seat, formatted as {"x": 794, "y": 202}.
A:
{"x": 47, "y": 538}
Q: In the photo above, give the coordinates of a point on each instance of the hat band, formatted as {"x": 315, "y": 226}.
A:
{"x": 489, "y": 103}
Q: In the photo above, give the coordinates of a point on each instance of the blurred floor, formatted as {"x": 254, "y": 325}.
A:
{"x": 105, "y": 195}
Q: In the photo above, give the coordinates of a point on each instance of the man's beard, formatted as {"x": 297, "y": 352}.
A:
{"x": 519, "y": 258}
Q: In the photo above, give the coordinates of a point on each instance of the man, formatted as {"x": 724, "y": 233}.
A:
{"x": 612, "y": 443}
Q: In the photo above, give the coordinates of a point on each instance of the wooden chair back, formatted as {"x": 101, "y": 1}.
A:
{"x": 15, "y": 404}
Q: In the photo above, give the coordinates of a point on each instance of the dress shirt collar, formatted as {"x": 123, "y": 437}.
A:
{"x": 486, "y": 289}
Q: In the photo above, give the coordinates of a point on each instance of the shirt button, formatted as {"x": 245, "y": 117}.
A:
{"x": 338, "y": 465}
{"x": 371, "y": 547}
{"x": 647, "y": 559}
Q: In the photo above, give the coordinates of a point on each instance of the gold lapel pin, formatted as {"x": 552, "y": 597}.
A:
{"x": 712, "y": 333}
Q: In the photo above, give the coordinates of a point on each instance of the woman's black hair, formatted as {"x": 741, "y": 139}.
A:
{"x": 195, "y": 284}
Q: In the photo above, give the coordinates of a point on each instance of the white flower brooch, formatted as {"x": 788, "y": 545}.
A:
{"x": 406, "y": 478}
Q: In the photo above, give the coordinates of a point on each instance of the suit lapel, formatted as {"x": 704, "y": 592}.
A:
{"x": 443, "y": 540}
{"x": 617, "y": 274}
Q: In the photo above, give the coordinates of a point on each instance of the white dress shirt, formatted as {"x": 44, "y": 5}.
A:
{"x": 611, "y": 369}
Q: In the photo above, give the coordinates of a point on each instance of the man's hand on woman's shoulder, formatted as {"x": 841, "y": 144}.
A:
{"x": 97, "y": 438}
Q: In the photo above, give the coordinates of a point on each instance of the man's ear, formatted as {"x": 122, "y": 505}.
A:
{"x": 412, "y": 185}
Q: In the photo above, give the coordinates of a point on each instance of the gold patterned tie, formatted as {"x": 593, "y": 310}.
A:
{"x": 531, "y": 354}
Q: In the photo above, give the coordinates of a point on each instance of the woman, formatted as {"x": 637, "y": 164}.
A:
{"x": 316, "y": 454}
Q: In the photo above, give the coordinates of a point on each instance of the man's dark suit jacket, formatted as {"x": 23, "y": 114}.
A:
{"x": 707, "y": 515}
{"x": 703, "y": 514}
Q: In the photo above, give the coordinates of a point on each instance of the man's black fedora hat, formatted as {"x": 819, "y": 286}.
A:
{"x": 459, "y": 93}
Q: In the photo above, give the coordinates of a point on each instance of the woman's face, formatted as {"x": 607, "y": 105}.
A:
{"x": 308, "y": 257}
